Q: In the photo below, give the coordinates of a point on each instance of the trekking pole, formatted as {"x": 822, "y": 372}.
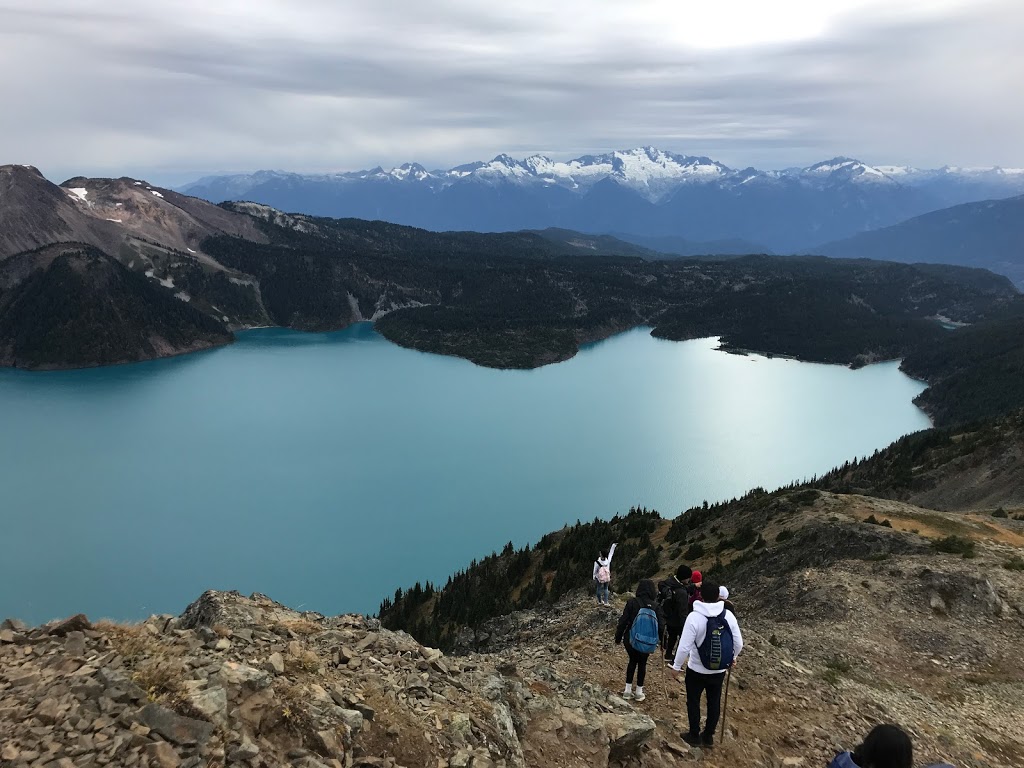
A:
{"x": 725, "y": 706}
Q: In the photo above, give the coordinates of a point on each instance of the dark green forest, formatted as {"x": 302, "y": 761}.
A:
{"x": 83, "y": 308}
{"x": 516, "y": 300}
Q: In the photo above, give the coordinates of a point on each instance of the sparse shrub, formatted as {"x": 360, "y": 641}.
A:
{"x": 295, "y": 715}
{"x": 300, "y": 627}
{"x": 877, "y": 557}
{"x": 161, "y": 679}
{"x": 1000, "y": 513}
{"x": 805, "y": 498}
{"x": 303, "y": 661}
{"x": 1015, "y": 563}
{"x": 836, "y": 668}
{"x": 955, "y": 545}
{"x": 784, "y": 534}
{"x": 773, "y": 640}
{"x": 695, "y": 551}
{"x": 872, "y": 520}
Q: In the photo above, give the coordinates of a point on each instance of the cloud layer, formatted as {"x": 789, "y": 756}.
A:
{"x": 168, "y": 90}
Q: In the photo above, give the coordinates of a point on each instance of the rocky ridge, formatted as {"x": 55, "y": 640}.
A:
{"x": 241, "y": 681}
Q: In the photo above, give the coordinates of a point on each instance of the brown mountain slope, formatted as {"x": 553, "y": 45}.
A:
{"x": 157, "y": 215}
{"x": 976, "y": 467}
{"x": 35, "y": 212}
{"x": 111, "y": 214}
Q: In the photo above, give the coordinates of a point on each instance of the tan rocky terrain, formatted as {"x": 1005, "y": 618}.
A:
{"x": 847, "y": 624}
{"x": 115, "y": 215}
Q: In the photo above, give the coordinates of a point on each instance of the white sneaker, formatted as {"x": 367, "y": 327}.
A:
{"x": 628, "y": 693}
{"x": 639, "y": 695}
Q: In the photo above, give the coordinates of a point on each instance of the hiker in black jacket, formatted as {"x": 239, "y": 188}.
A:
{"x": 674, "y": 596}
{"x": 646, "y": 597}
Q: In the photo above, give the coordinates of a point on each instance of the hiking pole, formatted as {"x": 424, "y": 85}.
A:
{"x": 725, "y": 706}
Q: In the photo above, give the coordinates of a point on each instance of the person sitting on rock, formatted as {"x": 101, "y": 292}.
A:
{"x": 603, "y": 574}
{"x": 886, "y": 746}
{"x": 707, "y": 612}
{"x": 674, "y": 597}
{"x": 640, "y": 629}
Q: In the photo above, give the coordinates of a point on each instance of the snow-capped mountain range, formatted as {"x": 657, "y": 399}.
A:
{"x": 644, "y": 191}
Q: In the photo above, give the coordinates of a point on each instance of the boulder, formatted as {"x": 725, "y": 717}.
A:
{"x": 255, "y": 707}
{"x": 162, "y": 755}
{"x": 184, "y": 731}
{"x": 48, "y": 711}
{"x": 352, "y": 718}
{"x": 274, "y": 664}
{"x": 247, "y": 750}
{"x": 213, "y": 703}
{"x": 241, "y": 676}
{"x": 76, "y": 623}
{"x": 626, "y": 734}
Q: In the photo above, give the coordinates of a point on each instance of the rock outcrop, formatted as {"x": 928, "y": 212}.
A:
{"x": 249, "y": 682}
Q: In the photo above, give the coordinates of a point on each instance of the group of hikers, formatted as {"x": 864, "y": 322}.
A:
{"x": 692, "y": 621}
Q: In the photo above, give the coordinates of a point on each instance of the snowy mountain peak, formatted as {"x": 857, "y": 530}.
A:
{"x": 413, "y": 171}
{"x": 847, "y": 169}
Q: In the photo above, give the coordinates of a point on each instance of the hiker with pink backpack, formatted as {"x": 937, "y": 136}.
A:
{"x": 640, "y": 629}
{"x": 603, "y": 574}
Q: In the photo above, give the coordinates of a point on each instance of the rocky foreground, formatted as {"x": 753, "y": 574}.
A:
{"x": 248, "y": 682}
{"x": 883, "y": 627}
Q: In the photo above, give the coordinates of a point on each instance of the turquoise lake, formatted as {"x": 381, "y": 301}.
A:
{"x": 325, "y": 470}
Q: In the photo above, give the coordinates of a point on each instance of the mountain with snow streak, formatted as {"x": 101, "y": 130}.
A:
{"x": 645, "y": 191}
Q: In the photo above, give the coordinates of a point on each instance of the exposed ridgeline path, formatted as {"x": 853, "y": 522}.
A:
{"x": 858, "y": 609}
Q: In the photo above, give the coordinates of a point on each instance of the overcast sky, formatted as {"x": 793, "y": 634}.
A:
{"x": 172, "y": 90}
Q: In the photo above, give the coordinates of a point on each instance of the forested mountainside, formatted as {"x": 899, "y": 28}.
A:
{"x": 974, "y": 372}
{"x": 508, "y": 300}
{"x": 72, "y": 305}
{"x": 975, "y": 466}
{"x": 987, "y": 234}
{"x": 516, "y": 300}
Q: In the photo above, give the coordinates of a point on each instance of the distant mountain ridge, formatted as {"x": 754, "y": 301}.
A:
{"x": 988, "y": 234}
{"x": 644, "y": 191}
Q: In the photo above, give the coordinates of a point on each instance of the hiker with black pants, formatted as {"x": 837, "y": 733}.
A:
{"x": 640, "y": 629}
{"x": 603, "y": 574}
{"x": 675, "y": 602}
{"x": 710, "y": 644}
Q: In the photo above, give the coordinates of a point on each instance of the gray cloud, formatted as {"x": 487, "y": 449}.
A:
{"x": 169, "y": 90}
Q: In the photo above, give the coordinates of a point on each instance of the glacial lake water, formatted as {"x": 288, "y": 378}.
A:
{"x": 325, "y": 470}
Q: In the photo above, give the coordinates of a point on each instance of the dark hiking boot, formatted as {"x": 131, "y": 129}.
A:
{"x": 707, "y": 740}
{"x": 691, "y": 739}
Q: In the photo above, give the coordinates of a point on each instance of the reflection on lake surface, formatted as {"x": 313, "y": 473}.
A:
{"x": 327, "y": 469}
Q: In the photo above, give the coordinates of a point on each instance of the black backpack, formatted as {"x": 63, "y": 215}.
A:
{"x": 675, "y": 602}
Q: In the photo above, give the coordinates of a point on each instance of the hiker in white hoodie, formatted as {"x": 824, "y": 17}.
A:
{"x": 698, "y": 677}
{"x": 603, "y": 574}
